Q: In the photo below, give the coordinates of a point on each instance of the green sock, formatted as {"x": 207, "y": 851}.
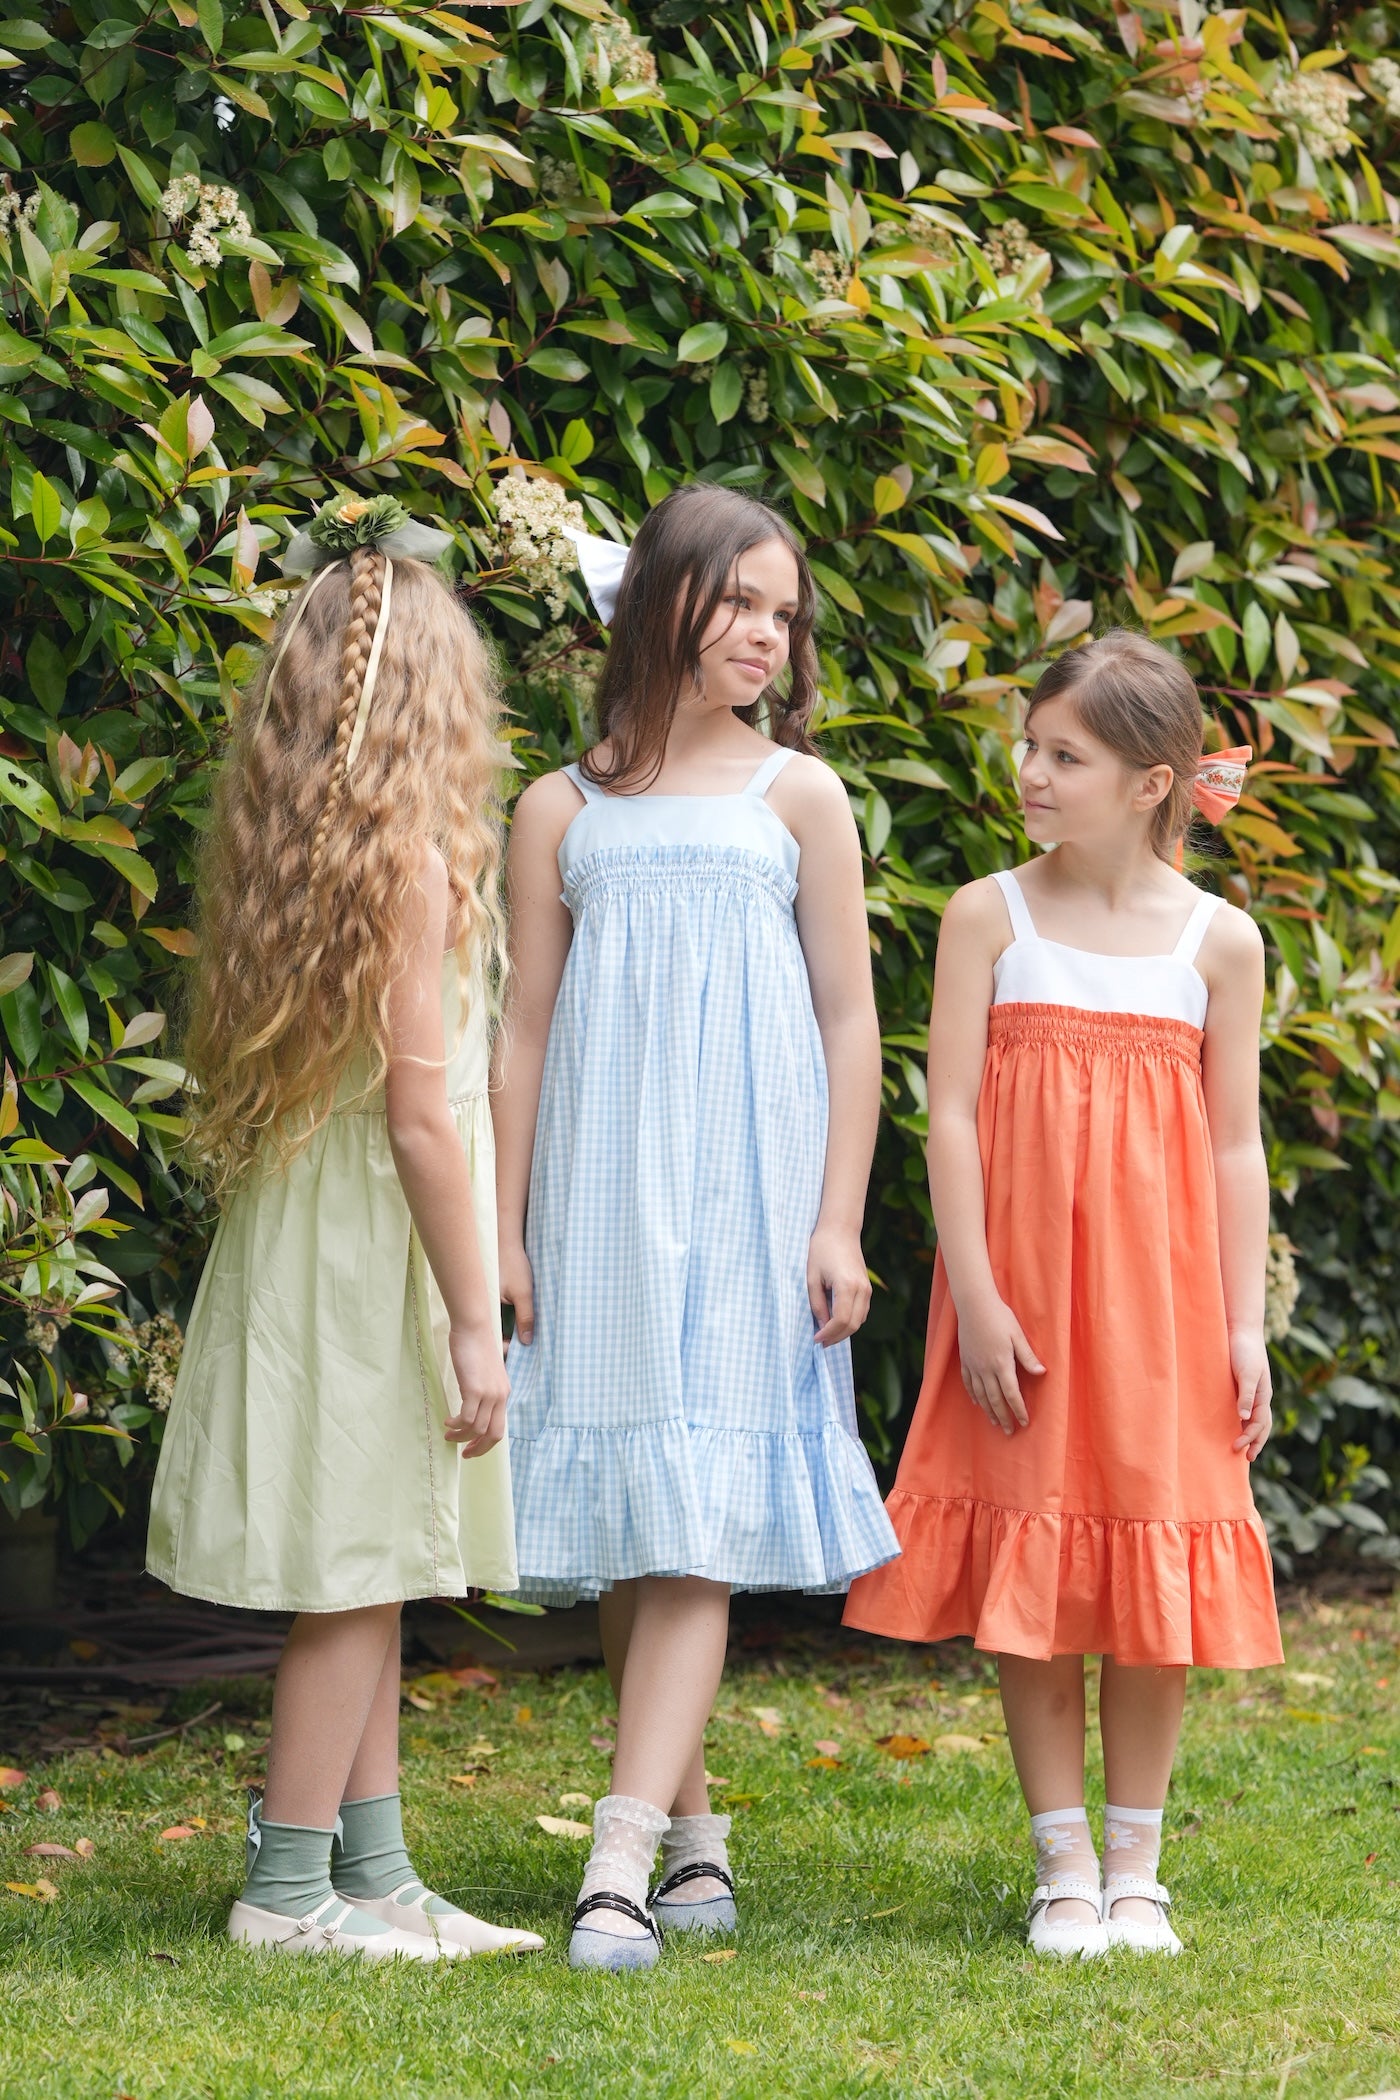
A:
{"x": 289, "y": 1872}
{"x": 370, "y": 1857}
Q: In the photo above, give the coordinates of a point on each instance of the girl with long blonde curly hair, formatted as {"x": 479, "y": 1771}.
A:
{"x": 346, "y": 1333}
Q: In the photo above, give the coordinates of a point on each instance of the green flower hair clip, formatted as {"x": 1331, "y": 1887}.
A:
{"x": 361, "y": 521}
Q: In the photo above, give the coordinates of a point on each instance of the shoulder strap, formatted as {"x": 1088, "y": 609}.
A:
{"x": 589, "y": 789}
{"x": 760, "y": 782}
{"x": 1194, "y": 931}
{"x": 1022, "y": 924}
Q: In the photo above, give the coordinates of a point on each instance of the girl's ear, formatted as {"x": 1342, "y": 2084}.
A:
{"x": 1153, "y": 787}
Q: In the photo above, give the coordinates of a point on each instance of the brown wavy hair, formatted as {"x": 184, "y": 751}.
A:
{"x": 307, "y": 873}
{"x": 677, "y": 572}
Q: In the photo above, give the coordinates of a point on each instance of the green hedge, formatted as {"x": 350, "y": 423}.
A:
{"x": 1032, "y": 320}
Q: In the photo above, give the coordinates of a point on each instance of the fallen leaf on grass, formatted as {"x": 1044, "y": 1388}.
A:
{"x": 827, "y": 1748}
{"x": 40, "y": 1891}
{"x": 173, "y": 1959}
{"x": 1370, "y": 1859}
{"x": 814, "y": 1997}
{"x": 47, "y": 1801}
{"x": 462, "y": 1779}
{"x": 474, "y": 1680}
{"x": 1306, "y": 1713}
{"x": 1311, "y": 1680}
{"x": 903, "y": 1745}
{"x": 604, "y": 1743}
{"x": 524, "y": 1715}
{"x": 84, "y": 1847}
{"x": 180, "y": 1830}
{"x": 11, "y": 1777}
{"x": 1371, "y": 1750}
{"x": 1188, "y": 1830}
{"x": 576, "y": 1801}
{"x": 891, "y": 1912}
{"x": 713, "y": 1779}
{"x": 481, "y": 1748}
{"x": 234, "y": 1743}
{"x": 49, "y": 1852}
{"x": 742, "y": 2048}
{"x": 956, "y": 1745}
{"x": 416, "y": 1699}
{"x": 721, "y": 1954}
{"x": 770, "y": 1721}
{"x": 561, "y": 1827}
{"x": 824, "y": 1764}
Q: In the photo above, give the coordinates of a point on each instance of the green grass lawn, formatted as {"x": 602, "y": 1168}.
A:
{"x": 880, "y": 1948}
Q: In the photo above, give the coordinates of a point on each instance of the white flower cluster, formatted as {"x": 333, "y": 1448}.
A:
{"x": 162, "y": 1341}
{"x": 16, "y": 210}
{"x": 1312, "y": 108}
{"x": 756, "y": 405}
{"x": 1280, "y": 1287}
{"x": 556, "y": 178}
{"x": 42, "y": 1328}
{"x": 1385, "y": 80}
{"x": 1009, "y": 247}
{"x": 831, "y": 275}
{"x": 921, "y": 227}
{"x": 630, "y": 63}
{"x": 555, "y": 660}
{"x": 218, "y": 207}
{"x": 533, "y": 515}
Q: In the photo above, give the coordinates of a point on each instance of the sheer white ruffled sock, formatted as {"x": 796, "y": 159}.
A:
{"x": 1064, "y": 1851}
{"x": 689, "y": 1840}
{"x": 1132, "y": 1846}
{"x": 625, "y": 1836}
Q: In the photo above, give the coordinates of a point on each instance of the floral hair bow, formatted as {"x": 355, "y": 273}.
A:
{"x": 1219, "y": 782}
{"x": 601, "y": 563}
{"x": 334, "y": 533}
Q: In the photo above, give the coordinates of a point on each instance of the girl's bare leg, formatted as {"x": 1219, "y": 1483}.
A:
{"x": 375, "y": 1769}
{"x": 1044, "y": 1707}
{"x": 1140, "y": 1712}
{"x": 327, "y": 1683}
{"x": 616, "y": 1610}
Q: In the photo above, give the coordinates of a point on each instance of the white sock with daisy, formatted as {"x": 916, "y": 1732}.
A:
{"x": 1132, "y": 1845}
{"x": 1064, "y": 1849}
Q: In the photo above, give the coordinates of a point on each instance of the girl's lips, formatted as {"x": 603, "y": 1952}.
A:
{"x": 746, "y": 663}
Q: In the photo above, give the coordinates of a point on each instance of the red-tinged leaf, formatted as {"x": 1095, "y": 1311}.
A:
{"x": 11, "y": 1777}
{"x": 179, "y": 1830}
{"x": 903, "y": 1746}
{"x": 84, "y": 1847}
{"x": 177, "y": 940}
{"x": 462, "y": 1779}
{"x": 1370, "y": 1859}
{"x": 1071, "y": 135}
{"x": 47, "y": 1801}
{"x": 604, "y": 1743}
{"x": 474, "y": 1680}
{"x": 49, "y": 1852}
{"x": 827, "y": 1748}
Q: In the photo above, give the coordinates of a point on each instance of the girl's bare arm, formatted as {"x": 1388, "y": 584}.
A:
{"x": 1232, "y": 962}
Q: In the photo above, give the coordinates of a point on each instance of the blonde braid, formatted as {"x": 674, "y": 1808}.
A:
{"x": 366, "y": 593}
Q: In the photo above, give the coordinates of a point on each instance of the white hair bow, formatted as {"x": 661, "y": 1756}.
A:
{"x": 602, "y": 563}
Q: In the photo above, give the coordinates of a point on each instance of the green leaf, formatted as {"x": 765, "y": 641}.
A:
{"x": 71, "y": 1005}
{"x": 1258, "y": 637}
{"x": 702, "y": 343}
{"x": 211, "y": 23}
{"x": 726, "y": 392}
{"x": 26, "y": 795}
{"x": 45, "y": 509}
{"x": 802, "y": 471}
{"x": 23, "y": 1024}
{"x": 91, "y": 145}
{"x": 558, "y": 364}
{"x": 142, "y": 180}
{"x": 47, "y": 673}
{"x": 112, "y": 1111}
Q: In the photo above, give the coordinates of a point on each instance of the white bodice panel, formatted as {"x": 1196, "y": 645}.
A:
{"x": 1037, "y": 972}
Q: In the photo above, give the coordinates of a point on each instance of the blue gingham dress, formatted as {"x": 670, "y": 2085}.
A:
{"x": 674, "y": 1415}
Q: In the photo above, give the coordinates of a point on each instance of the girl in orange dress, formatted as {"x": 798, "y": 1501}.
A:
{"x": 1076, "y": 1479}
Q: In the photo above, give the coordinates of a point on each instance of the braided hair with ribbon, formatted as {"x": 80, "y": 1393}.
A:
{"x": 370, "y": 737}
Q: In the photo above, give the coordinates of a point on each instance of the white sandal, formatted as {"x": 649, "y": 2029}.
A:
{"x": 1068, "y": 1942}
{"x": 318, "y": 1933}
{"x": 406, "y": 1910}
{"x": 1144, "y": 1937}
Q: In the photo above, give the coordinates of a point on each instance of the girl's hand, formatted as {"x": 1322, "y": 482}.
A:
{"x": 991, "y": 1345}
{"x": 1254, "y": 1390}
{"x": 518, "y": 1290}
{"x": 480, "y": 1366}
{"x": 838, "y": 1287}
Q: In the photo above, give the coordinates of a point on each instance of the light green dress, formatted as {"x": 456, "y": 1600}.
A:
{"x": 304, "y": 1466}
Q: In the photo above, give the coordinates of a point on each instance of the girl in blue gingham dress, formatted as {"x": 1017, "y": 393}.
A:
{"x": 682, "y": 1413}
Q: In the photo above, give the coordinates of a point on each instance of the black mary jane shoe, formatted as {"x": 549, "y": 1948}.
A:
{"x": 592, "y": 1948}
{"x": 713, "y": 1914}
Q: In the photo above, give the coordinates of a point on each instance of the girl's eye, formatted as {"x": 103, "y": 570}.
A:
{"x": 1068, "y": 757}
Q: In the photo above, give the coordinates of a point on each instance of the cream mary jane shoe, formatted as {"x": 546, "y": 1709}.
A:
{"x": 458, "y": 1932}
{"x": 318, "y": 1933}
{"x": 1067, "y": 1942}
{"x": 1144, "y": 1937}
